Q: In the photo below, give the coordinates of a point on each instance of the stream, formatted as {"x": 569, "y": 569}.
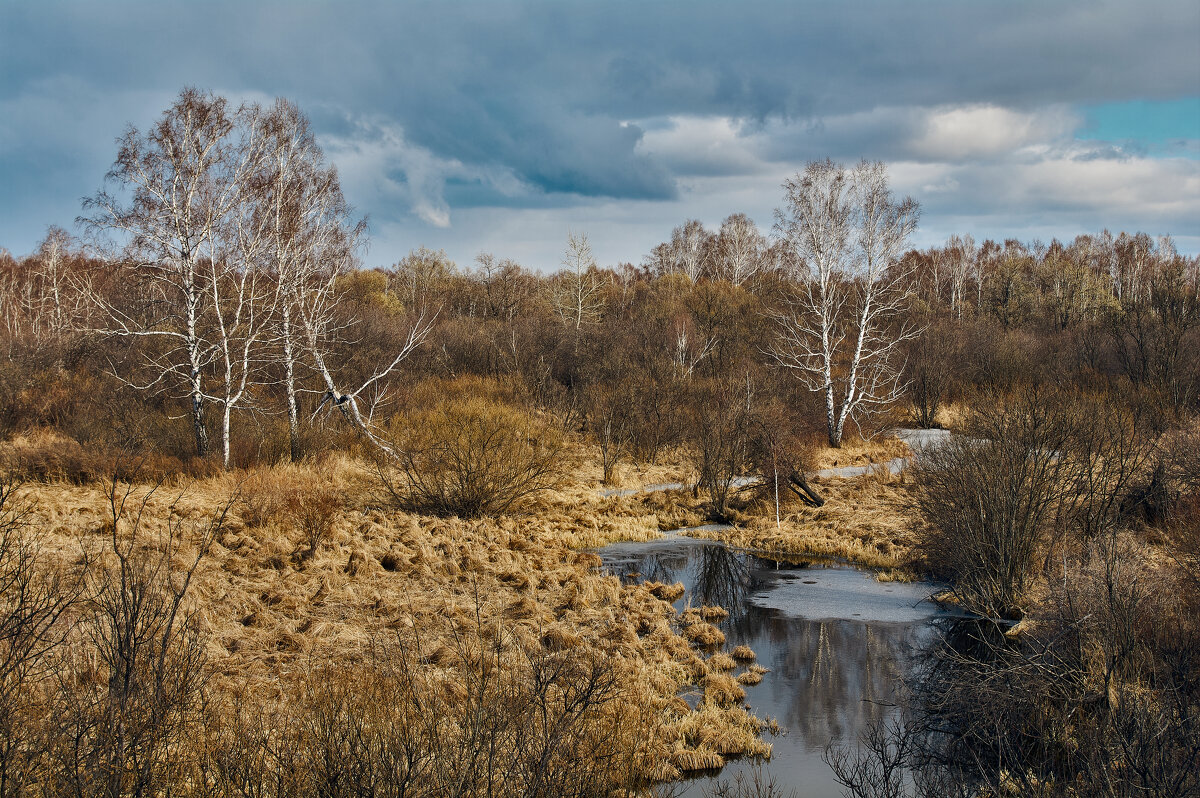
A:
{"x": 836, "y": 642}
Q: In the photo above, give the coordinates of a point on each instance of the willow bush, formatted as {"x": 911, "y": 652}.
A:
{"x": 471, "y": 456}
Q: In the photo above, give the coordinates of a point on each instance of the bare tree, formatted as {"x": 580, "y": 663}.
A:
{"x": 307, "y": 227}
{"x": 420, "y": 272}
{"x": 962, "y": 253}
{"x": 836, "y": 332}
{"x": 244, "y": 300}
{"x": 688, "y": 247}
{"x": 739, "y": 249}
{"x": 183, "y": 179}
{"x": 322, "y": 327}
{"x": 576, "y": 290}
{"x": 55, "y": 293}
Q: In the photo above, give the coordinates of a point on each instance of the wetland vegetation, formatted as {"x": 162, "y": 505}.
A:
{"x": 276, "y": 523}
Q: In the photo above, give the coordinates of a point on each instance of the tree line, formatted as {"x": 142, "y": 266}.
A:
{"x": 219, "y": 280}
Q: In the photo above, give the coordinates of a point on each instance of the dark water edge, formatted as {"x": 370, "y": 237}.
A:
{"x": 837, "y": 643}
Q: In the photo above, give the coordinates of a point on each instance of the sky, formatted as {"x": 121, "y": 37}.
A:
{"x": 499, "y": 126}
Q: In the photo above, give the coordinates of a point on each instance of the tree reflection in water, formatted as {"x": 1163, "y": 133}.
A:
{"x": 834, "y": 677}
{"x": 712, "y": 573}
{"x": 830, "y": 680}
{"x": 722, "y": 577}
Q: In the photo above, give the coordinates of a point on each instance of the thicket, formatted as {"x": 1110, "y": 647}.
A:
{"x": 1072, "y": 515}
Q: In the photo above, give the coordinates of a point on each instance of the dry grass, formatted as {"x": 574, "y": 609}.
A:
{"x": 274, "y": 604}
{"x": 857, "y": 451}
{"x": 749, "y": 678}
{"x": 310, "y": 573}
{"x": 953, "y": 415}
{"x": 867, "y": 520}
{"x": 744, "y": 654}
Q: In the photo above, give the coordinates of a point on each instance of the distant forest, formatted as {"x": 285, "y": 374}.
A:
{"x": 215, "y": 312}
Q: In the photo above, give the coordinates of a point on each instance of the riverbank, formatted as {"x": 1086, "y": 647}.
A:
{"x": 831, "y": 645}
{"x": 868, "y": 517}
{"x": 303, "y": 594}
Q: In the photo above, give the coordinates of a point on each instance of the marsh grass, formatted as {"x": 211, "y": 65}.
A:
{"x": 349, "y": 628}
{"x": 870, "y": 521}
{"x": 444, "y": 616}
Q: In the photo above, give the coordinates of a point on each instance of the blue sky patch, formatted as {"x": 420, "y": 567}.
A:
{"x": 1162, "y": 127}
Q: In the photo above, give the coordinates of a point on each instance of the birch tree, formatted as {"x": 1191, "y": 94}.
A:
{"x": 961, "y": 255}
{"x": 739, "y": 249}
{"x": 242, "y": 295}
{"x": 175, "y": 187}
{"x": 322, "y": 328}
{"x": 310, "y": 236}
{"x": 576, "y": 292}
{"x": 835, "y": 333}
{"x": 688, "y": 246}
{"x": 43, "y": 300}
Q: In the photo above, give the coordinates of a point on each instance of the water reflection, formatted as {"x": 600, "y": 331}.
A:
{"x": 722, "y": 577}
{"x": 830, "y": 677}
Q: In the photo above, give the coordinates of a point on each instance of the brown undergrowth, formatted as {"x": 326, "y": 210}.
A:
{"x": 868, "y": 520}
{"x": 313, "y": 594}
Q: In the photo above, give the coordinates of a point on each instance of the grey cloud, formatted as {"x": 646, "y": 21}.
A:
{"x": 521, "y": 104}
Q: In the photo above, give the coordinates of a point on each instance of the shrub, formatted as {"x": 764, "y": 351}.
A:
{"x": 304, "y": 498}
{"x": 471, "y": 457}
{"x": 46, "y": 455}
{"x": 987, "y": 498}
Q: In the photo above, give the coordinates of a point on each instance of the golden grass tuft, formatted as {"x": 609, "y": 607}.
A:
{"x": 704, "y": 634}
{"x": 744, "y": 653}
{"x": 666, "y": 592}
{"x": 721, "y": 662}
{"x": 722, "y": 690}
{"x": 693, "y": 759}
{"x": 728, "y": 730}
{"x": 749, "y": 678}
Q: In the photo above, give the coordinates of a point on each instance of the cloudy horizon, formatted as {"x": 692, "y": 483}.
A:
{"x": 498, "y": 126}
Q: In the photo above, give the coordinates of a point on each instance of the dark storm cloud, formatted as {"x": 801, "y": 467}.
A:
{"x": 529, "y": 104}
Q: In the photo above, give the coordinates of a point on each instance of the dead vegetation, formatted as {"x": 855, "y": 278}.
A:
{"x": 869, "y": 520}
{"x": 297, "y": 639}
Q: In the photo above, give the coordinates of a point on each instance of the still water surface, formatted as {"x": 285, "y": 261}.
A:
{"x": 836, "y": 641}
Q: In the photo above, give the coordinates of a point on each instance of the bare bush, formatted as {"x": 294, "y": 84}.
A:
{"x": 988, "y": 498}
{"x": 471, "y": 457}
{"x": 495, "y": 717}
{"x": 33, "y": 598}
{"x": 928, "y": 372}
{"x": 1111, "y": 457}
{"x": 722, "y": 433}
{"x": 1097, "y": 697}
{"x": 130, "y": 684}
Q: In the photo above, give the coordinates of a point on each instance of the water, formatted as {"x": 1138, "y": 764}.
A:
{"x": 837, "y": 643}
